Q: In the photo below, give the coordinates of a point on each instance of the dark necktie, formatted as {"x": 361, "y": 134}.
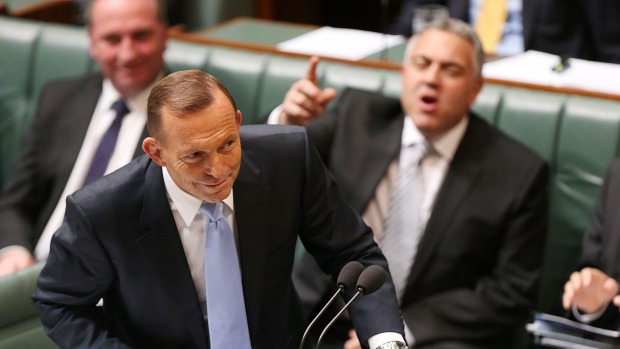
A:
{"x": 228, "y": 325}
{"x": 108, "y": 141}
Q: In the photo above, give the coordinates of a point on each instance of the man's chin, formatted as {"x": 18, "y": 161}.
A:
{"x": 216, "y": 196}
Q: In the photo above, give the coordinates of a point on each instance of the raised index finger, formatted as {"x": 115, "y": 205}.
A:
{"x": 311, "y": 72}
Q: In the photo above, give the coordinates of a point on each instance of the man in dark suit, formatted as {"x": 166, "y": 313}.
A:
{"x": 591, "y": 294}
{"x": 130, "y": 238}
{"x": 578, "y": 28}
{"x": 484, "y": 205}
{"x": 127, "y": 39}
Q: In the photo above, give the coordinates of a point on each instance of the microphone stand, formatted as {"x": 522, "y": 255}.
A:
{"x": 329, "y": 325}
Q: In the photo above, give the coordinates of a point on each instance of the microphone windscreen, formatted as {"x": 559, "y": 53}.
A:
{"x": 371, "y": 279}
{"x": 347, "y": 279}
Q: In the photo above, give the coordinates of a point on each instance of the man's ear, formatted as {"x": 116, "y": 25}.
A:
{"x": 239, "y": 119}
{"x": 152, "y": 149}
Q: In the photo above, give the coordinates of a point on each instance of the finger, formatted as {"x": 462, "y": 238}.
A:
{"x": 576, "y": 279}
{"x": 311, "y": 71}
{"x": 616, "y": 301}
{"x": 610, "y": 287}
{"x": 326, "y": 95}
{"x": 567, "y": 297}
{"x": 586, "y": 277}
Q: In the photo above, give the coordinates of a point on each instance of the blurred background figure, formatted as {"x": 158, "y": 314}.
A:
{"x": 591, "y": 294}
{"x": 79, "y": 131}
{"x": 583, "y": 29}
{"x": 465, "y": 249}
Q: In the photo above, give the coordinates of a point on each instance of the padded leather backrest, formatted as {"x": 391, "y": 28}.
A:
{"x": 62, "y": 52}
{"x": 184, "y": 55}
{"x": 17, "y": 50}
{"x": 241, "y": 72}
{"x": 280, "y": 74}
{"x": 532, "y": 117}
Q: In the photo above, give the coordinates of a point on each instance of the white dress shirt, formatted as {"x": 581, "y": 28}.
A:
{"x": 191, "y": 226}
{"x": 434, "y": 169}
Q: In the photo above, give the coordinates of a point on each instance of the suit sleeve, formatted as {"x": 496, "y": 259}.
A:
{"x": 66, "y": 302}
{"x": 334, "y": 234}
{"x": 599, "y": 241}
{"x": 501, "y": 300}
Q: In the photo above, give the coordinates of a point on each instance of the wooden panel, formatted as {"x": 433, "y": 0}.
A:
{"x": 55, "y": 11}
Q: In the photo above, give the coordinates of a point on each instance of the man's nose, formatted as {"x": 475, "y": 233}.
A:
{"x": 431, "y": 74}
{"x": 127, "y": 49}
{"x": 213, "y": 166}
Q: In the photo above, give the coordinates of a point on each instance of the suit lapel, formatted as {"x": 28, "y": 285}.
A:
{"x": 379, "y": 149}
{"x": 254, "y": 224}
{"x": 164, "y": 252}
{"x": 77, "y": 115}
{"x": 463, "y": 172}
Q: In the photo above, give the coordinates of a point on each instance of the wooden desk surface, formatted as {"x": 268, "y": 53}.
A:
{"x": 263, "y": 35}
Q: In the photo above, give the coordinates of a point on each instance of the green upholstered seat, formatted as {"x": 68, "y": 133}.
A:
{"x": 19, "y": 322}
{"x": 533, "y": 118}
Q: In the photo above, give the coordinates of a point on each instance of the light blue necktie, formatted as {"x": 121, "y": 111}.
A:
{"x": 403, "y": 227}
{"x": 228, "y": 325}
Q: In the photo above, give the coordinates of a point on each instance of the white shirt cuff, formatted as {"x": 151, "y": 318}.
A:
{"x": 409, "y": 336}
{"x": 274, "y": 116}
{"x": 383, "y": 338}
{"x": 588, "y": 318}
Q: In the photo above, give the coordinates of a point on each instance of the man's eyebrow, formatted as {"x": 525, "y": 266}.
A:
{"x": 442, "y": 63}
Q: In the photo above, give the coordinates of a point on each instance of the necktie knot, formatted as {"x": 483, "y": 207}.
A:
{"x": 418, "y": 152}
{"x": 213, "y": 211}
{"x": 120, "y": 108}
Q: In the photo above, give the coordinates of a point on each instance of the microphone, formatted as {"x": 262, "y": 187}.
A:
{"x": 347, "y": 279}
{"x": 370, "y": 280}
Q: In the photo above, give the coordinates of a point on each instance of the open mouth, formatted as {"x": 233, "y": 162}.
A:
{"x": 428, "y": 103}
{"x": 429, "y": 100}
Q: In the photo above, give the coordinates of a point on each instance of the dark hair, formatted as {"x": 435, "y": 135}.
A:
{"x": 162, "y": 8}
{"x": 460, "y": 28}
{"x": 180, "y": 93}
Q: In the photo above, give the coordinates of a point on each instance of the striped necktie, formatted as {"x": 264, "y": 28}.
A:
{"x": 403, "y": 228}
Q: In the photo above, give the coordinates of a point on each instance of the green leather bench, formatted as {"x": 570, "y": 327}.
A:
{"x": 19, "y": 322}
{"x": 577, "y": 135}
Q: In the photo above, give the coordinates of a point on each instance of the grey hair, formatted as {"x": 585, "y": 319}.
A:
{"x": 460, "y": 28}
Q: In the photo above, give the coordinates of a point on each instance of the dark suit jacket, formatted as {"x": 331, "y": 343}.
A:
{"x": 119, "y": 241}
{"x": 476, "y": 272}
{"x": 584, "y": 29}
{"x": 602, "y": 241}
{"x": 50, "y": 149}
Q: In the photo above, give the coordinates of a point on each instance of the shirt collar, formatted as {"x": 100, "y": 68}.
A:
{"x": 186, "y": 204}
{"x": 446, "y": 144}
{"x": 109, "y": 95}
